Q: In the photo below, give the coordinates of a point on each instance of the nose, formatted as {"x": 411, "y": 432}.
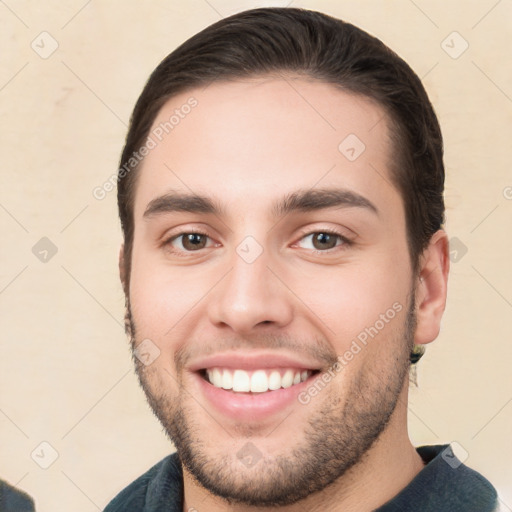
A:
{"x": 251, "y": 296}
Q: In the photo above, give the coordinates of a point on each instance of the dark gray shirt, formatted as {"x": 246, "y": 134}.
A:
{"x": 443, "y": 485}
{"x": 14, "y": 500}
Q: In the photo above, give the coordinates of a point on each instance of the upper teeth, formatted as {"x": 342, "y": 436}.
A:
{"x": 257, "y": 381}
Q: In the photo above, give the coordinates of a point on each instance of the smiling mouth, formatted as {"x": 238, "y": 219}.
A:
{"x": 256, "y": 381}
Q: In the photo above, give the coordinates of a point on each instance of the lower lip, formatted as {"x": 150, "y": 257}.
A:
{"x": 251, "y": 407}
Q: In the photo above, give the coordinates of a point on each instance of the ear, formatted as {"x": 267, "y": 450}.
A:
{"x": 122, "y": 268}
{"x": 431, "y": 288}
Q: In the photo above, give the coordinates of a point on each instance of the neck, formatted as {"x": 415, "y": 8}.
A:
{"x": 386, "y": 468}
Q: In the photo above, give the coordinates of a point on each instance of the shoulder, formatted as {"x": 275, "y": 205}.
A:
{"x": 147, "y": 493}
{"x": 444, "y": 484}
{"x": 14, "y": 500}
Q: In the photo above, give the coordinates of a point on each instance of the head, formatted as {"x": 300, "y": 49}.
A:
{"x": 281, "y": 199}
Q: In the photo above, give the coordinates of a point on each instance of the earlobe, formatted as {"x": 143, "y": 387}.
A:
{"x": 431, "y": 288}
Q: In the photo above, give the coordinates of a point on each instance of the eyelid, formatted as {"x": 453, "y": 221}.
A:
{"x": 342, "y": 233}
{"x": 303, "y": 233}
{"x": 174, "y": 236}
{"x": 344, "y": 239}
{"x": 169, "y": 237}
{"x": 184, "y": 229}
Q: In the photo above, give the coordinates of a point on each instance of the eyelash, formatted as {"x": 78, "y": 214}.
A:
{"x": 179, "y": 252}
{"x": 345, "y": 242}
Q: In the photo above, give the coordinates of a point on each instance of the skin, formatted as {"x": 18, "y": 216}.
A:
{"x": 247, "y": 145}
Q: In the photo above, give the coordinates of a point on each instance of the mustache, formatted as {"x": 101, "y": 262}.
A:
{"x": 317, "y": 348}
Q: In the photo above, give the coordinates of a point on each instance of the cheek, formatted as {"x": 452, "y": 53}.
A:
{"x": 357, "y": 299}
{"x": 157, "y": 303}
{"x": 163, "y": 299}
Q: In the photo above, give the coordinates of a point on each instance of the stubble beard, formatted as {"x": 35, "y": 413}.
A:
{"x": 336, "y": 437}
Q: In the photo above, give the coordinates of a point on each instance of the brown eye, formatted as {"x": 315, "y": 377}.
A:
{"x": 322, "y": 241}
{"x": 189, "y": 242}
{"x": 193, "y": 241}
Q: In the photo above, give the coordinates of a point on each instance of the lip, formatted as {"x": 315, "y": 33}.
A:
{"x": 253, "y": 361}
{"x": 251, "y": 407}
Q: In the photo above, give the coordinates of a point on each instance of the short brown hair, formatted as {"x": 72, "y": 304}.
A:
{"x": 311, "y": 44}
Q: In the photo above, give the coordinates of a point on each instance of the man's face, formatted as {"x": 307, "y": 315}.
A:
{"x": 289, "y": 276}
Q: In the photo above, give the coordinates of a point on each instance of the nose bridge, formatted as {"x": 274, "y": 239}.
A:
{"x": 251, "y": 275}
{"x": 250, "y": 295}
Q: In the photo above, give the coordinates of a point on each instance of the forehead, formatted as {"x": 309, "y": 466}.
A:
{"x": 254, "y": 140}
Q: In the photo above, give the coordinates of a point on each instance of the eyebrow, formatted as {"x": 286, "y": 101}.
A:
{"x": 300, "y": 200}
{"x": 319, "y": 199}
{"x": 181, "y": 202}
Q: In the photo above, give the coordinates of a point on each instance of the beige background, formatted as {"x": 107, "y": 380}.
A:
{"x": 65, "y": 372}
